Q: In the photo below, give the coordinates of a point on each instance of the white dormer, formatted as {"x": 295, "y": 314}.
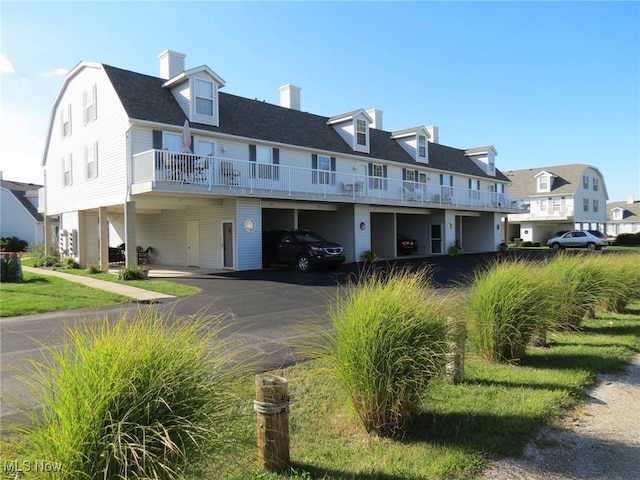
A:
{"x": 617, "y": 213}
{"x": 353, "y": 127}
{"x": 414, "y": 141}
{"x": 544, "y": 181}
{"x": 196, "y": 90}
{"x": 484, "y": 157}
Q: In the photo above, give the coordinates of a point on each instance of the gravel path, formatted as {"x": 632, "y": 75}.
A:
{"x": 599, "y": 440}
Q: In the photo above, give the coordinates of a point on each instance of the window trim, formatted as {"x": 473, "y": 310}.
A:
{"x": 89, "y": 104}
{"x": 91, "y": 151}
{"x": 197, "y": 95}
{"x": 67, "y": 170}
{"x": 362, "y": 133}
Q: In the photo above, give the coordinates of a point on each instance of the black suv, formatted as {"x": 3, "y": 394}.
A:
{"x": 300, "y": 248}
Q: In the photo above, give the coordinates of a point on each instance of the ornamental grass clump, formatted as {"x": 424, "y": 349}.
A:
{"x": 389, "y": 339}
{"x": 582, "y": 284}
{"x": 623, "y": 274}
{"x": 509, "y": 303}
{"x": 143, "y": 398}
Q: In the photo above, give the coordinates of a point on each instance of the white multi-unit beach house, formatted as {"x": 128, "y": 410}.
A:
{"x": 560, "y": 197}
{"x": 173, "y": 163}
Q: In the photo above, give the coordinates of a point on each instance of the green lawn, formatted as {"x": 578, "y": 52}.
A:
{"x": 492, "y": 413}
{"x": 42, "y": 293}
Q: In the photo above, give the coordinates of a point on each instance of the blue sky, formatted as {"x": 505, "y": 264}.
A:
{"x": 545, "y": 83}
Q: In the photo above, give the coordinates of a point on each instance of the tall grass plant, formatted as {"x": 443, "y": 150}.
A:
{"x": 509, "y": 303}
{"x": 622, "y": 272}
{"x": 388, "y": 340}
{"x": 142, "y": 398}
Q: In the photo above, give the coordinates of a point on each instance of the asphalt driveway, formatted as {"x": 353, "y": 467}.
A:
{"x": 263, "y": 312}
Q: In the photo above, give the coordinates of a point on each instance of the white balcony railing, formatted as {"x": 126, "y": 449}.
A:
{"x": 217, "y": 173}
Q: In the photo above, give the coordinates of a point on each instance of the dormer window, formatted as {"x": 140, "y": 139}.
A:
{"x": 543, "y": 183}
{"x": 617, "y": 214}
{"x": 361, "y": 132}
{"x": 492, "y": 162}
{"x": 422, "y": 146}
{"x": 204, "y": 97}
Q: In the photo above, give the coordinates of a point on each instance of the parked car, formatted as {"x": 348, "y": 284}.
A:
{"x": 302, "y": 249}
{"x": 406, "y": 245}
{"x": 589, "y": 239}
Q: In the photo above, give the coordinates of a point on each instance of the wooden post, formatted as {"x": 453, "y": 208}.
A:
{"x": 272, "y": 410}
{"x": 456, "y": 337}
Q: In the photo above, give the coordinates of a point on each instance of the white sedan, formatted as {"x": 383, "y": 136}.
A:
{"x": 589, "y": 239}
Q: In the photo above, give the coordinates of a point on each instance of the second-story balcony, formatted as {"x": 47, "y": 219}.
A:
{"x": 159, "y": 170}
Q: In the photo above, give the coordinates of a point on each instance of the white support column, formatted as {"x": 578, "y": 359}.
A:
{"x": 103, "y": 238}
{"x": 131, "y": 256}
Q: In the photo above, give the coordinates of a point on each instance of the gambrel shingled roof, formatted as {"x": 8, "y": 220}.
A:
{"x": 567, "y": 180}
{"x": 144, "y": 98}
{"x": 631, "y": 211}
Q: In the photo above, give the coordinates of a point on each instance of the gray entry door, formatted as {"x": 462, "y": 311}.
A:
{"x": 227, "y": 244}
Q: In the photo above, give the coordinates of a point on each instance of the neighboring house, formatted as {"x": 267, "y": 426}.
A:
{"x": 561, "y": 197}
{"x": 623, "y": 217}
{"x": 19, "y": 215}
{"x": 116, "y": 172}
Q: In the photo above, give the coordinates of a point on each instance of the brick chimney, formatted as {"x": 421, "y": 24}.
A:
{"x": 171, "y": 64}
{"x": 290, "y": 96}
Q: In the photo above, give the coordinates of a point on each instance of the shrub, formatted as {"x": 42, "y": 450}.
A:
{"x": 47, "y": 261}
{"x": 135, "y": 272}
{"x": 628, "y": 239}
{"x": 10, "y": 268}
{"x": 70, "y": 262}
{"x": 13, "y": 244}
{"x": 369, "y": 256}
{"x": 508, "y": 303}
{"x": 389, "y": 338}
{"x": 93, "y": 268}
{"x": 141, "y": 398}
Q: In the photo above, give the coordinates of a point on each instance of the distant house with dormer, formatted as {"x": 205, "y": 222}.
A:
{"x": 624, "y": 217}
{"x": 19, "y": 216}
{"x": 560, "y": 197}
{"x": 173, "y": 163}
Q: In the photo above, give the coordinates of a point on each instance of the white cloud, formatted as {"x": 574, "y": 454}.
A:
{"x": 5, "y": 64}
{"x": 58, "y": 72}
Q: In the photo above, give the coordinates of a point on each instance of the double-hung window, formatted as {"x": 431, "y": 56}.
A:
{"x": 585, "y": 182}
{"x": 595, "y": 184}
{"x": 422, "y": 146}
{"x": 67, "y": 177}
{"x": 361, "y": 132}
{"x": 65, "y": 121}
{"x": 585, "y": 204}
{"x": 595, "y": 205}
{"x": 324, "y": 170}
{"x": 446, "y": 186}
{"x": 91, "y": 160}
{"x": 204, "y": 97}
{"x": 89, "y": 104}
{"x": 474, "y": 188}
{"x": 376, "y": 176}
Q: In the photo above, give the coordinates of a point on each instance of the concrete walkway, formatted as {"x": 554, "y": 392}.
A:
{"x": 139, "y": 294}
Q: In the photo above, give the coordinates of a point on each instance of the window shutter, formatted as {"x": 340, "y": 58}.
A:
{"x": 314, "y": 168}
{"x": 441, "y": 180}
{"x": 416, "y": 178}
{"x": 85, "y": 117}
{"x": 95, "y": 101}
{"x": 384, "y": 174}
{"x": 276, "y": 162}
{"x": 333, "y": 170}
{"x": 404, "y": 174}
{"x": 157, "y": 145}
{"x": 252, "y": 158}
{"x": 157, "y": 139}
{"x": 371, "y": 179}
